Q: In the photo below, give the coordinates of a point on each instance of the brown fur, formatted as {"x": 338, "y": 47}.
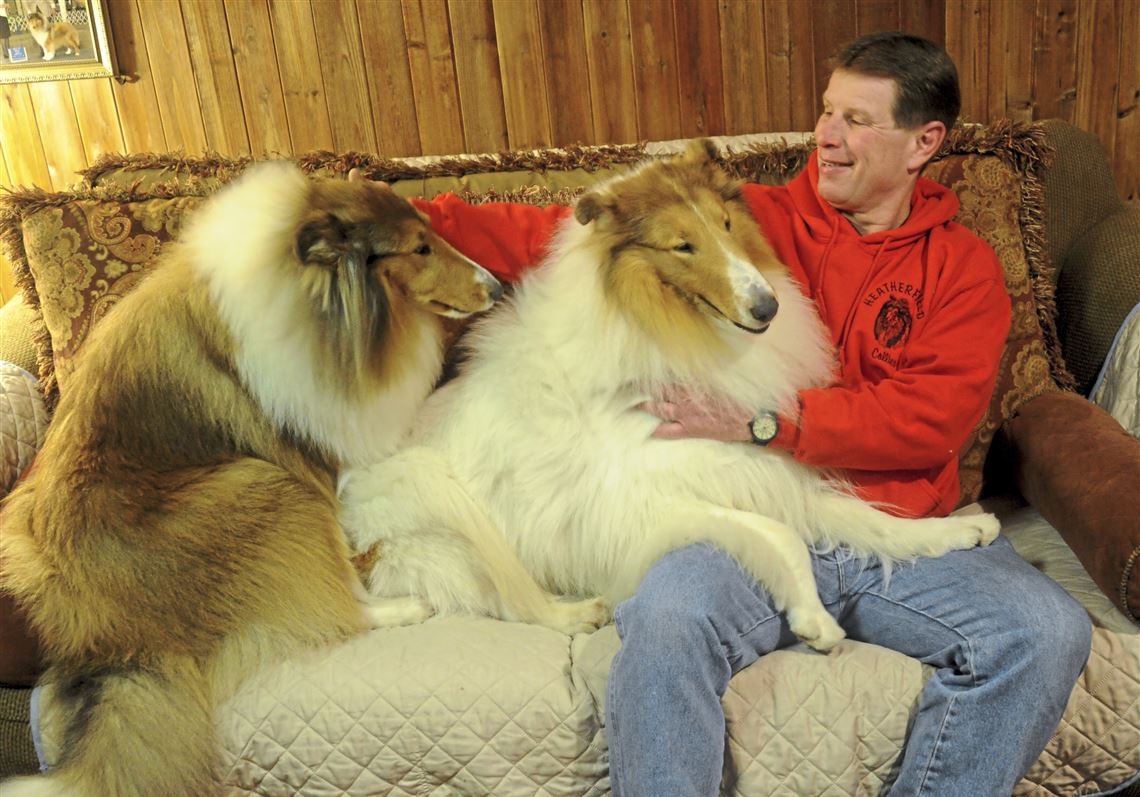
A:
{"x": 171, "y": 534}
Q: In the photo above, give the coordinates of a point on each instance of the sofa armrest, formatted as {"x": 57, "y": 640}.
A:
{"x": 1079, "y": 467}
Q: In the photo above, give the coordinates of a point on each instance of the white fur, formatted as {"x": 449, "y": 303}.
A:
{"x": 540, "y": 443}
{"x": 266, "y": 310}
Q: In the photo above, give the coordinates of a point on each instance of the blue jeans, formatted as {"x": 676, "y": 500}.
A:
{"x": 1007, "y": 644}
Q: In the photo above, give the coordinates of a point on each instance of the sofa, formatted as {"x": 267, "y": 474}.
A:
{"x": 474, "y": 706}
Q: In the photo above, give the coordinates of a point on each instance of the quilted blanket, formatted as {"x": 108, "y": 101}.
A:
{"x": 466, "y": 706}
{"x": 1117, "y": 388}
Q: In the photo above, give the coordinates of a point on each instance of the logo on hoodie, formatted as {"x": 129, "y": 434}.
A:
{"x": 893, "y": 324}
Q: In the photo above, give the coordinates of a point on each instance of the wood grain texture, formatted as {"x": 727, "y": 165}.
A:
{"x": 746, "y": 106}
{"x": 298, "y": 62}
{"x": 566, "y": 72}
{"x": 219, "y": 96}
{"x": 653, "y": 33}
{"x": 609, "y": 53}
{"x": 173, "y": 76}
{"x": 336, "y": 30}
{"x": 1098, "y": 53}
{"x": 477, "y": 73}
{"x": 389, "y": 74}
{"x": 1127, "y": 155}
{"x": 59, "y": 131}
{"x": 837, "y": 26}
{"x": 20, "y": 138}
{"x": 433, "y": 75}
{"x": 139, "y": 116}
{"x": 525, "y": 98}
{"x": 700, "y": 75}
{"x": 791, "y": 73}
{"x": 262, "y": 93}
{"x": 96, "y": 115}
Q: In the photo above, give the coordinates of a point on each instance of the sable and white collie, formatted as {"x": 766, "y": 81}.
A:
{"x": 60, "y": 36}
{"x": 535, "y": 462}
{"x": 179, "y": 525}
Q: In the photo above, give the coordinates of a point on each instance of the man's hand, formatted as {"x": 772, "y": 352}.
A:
{"x": 683, "y": 415}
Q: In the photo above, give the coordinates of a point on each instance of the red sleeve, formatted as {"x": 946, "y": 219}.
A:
{"x": 506, "y": 238}
{"x": 920, "y": 418}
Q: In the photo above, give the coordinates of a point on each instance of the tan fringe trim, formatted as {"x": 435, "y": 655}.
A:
{"x": 1125, "y": 577}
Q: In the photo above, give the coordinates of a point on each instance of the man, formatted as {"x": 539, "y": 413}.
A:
{"x": 918, "y": 310}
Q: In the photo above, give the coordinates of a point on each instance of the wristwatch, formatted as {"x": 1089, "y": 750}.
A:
{"x": 764, "y": 427}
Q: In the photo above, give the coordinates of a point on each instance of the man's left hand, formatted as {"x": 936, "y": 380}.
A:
{"x": 683, "y": 415}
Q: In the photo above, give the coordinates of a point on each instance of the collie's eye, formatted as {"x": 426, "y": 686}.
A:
{"x": 686, "y": 247}
{"x": 423, "y": 250}
{"x": 372, "y": 259}
{"x": 728, "y": 224}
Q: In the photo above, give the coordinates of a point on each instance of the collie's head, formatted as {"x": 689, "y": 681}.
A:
{"x": 36, "y": 21}
{"x": 684, "y": 259}
{"x": 348, "y": 270}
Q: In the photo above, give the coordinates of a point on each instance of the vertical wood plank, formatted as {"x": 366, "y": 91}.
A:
{"x": 1012, "y": 26}
{"x": 610, "y": 53}
{"x": 389, "y": 78}
{"x": 699, "y": 71}
{"x": 259, "y": 81}
{"x": 838, "y": 28}
{"x": 525, "y": 99}
{"x": 567, "y": 75}
{"x": 215, "y": 76}
{"x": 97, "y": 117}
{"x": 302, "y": 84}
{"x": 139, "y": 115}
{"x": 433, "y": 76}
{"x": 477, "y": 73}
{"x": 59, "y": 131}
{"x": 337, "y": 32}
{"x": 1098, "y": 69}
{"x": 792, "y": 100}
{"x": 173, "y": 76}
{"x": 1055, "y": 59}
{"x": 742, "y": 24}
{"x": 966, "y": 26}
{"x": 655, "y": 69}
{"x": 1127, "y": 160}
{"x": 876, "y": 15}
{"x": 926, "y": 18}
{"x": 20, "y": 137}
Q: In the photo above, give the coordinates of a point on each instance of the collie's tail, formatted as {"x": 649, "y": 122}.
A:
{"x": 133, "y": 733}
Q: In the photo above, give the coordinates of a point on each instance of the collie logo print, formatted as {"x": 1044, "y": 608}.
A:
{"x": 892, "y": 326}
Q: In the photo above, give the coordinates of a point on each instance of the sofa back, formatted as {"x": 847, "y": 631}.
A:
{"x": 77, "y": 252}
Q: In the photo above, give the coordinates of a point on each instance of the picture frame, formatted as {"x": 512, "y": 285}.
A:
{"x": 37, "y": 39}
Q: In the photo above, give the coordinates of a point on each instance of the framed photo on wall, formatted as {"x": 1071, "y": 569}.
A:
{"x": 54, "y": 40}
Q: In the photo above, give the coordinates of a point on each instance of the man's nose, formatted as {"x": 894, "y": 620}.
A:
{"x": 826, "y": 132}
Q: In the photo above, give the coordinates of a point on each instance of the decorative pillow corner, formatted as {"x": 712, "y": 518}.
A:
{"x": 23, "y": 423}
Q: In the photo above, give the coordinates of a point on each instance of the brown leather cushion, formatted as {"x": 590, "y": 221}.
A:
{"x": 1080, "y": 469}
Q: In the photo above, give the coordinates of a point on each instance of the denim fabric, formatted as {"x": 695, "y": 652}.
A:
{"x": 1007, "y": 643}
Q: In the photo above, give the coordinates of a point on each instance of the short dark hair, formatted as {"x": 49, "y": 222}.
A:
{"x": 924, "y": 73}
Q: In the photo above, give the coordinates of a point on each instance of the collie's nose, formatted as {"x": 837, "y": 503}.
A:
{"x": 496, "y": 291}
{"x": 764, "y": 310}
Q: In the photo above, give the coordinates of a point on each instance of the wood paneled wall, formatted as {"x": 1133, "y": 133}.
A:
{"x": 407, "y": 77}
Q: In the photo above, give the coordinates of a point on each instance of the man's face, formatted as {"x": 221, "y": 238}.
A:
{"x": 866, "y": 162}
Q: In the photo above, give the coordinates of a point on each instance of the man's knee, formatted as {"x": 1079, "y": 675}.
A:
{"x": 1052, "y": 628}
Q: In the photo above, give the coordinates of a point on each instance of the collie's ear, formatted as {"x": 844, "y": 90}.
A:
{"x": 322, "y": 240}
{"x": 589, "y": 207}
{"x": 702, "y": 150}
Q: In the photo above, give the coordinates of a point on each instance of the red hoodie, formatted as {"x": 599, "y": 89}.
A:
{"x": 919, "y": 315}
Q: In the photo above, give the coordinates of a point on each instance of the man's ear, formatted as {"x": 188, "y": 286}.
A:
{"x": 928, "y": 140}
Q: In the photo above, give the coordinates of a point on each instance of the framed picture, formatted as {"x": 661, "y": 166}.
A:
{"x": 54, "y": 40}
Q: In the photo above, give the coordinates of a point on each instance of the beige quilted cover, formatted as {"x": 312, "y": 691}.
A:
{"x": 461, "y": 706}
{"x": 23, "y": 422}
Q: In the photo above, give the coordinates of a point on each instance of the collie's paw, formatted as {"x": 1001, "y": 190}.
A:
{"x": 815, "y": 628}
{"x": 577, "y": 617}
{"x": 967, "y": 531}
{"x": 390, "y": 612}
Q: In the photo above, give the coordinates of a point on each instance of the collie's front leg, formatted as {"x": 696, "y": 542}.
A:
{"x": 871, "y": 532}
{"x": 772, "y": 552}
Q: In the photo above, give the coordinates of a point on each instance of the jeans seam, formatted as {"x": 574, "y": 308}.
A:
{"x": 965, "y": 639}
{"x": 611, "y": 731}
{"x": 937, "y": 744}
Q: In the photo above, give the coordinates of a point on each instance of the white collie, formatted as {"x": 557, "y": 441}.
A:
{"x": 536, "y": 461}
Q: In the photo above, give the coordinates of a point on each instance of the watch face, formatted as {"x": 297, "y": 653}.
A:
{"x": 764, "y": 427}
